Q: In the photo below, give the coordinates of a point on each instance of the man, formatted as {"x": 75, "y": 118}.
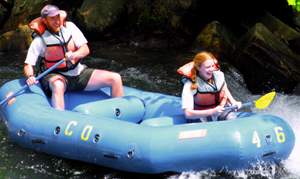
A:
{"x": 65, "y": 41}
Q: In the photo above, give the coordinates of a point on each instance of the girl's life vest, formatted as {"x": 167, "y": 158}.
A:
{"x": 186, "y": 70}
{"x": 56, "y": 44}
{"x": 207, "y": 95}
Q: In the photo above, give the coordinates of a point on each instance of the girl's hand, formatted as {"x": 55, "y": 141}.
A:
{"x": 218, "y": 110}
{"x": 238, "y": 104}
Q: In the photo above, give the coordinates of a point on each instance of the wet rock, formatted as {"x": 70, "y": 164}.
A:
{"x": 297, "y": 90}
{"x": 96, "y": 16}
{"x": 295, "y": 45}
{"x": 5, "y": 9}
{"x": 279, "y": 29}
{"x": 3, "y": 13}
{"x": 23, "y": 12}
{"x": 266, "y": 61}
{"x": 216, "y": 38}
{"x": 16, "y": 40}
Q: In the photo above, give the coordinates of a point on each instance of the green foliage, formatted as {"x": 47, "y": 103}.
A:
{"x": 295, "y": 4}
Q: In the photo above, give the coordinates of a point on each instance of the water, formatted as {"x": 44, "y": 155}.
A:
{"x": 288, "y": 107}
{"x": 142, "y": 69}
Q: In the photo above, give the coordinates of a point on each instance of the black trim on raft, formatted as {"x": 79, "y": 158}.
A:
{"x": 111, "y": 156}
{"x": 268, "y": 154}
{"x": 38, "y": 141}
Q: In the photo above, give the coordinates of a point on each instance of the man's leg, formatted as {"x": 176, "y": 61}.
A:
{"x": 102, "y": 78}
{"x": 58, "y": 87}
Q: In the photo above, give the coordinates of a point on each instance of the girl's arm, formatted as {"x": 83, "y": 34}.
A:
{"x": 230, "y": 98}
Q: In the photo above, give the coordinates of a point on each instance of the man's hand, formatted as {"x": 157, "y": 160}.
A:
{"x": 31, "y": 80}
{"x": 69, "y": 60}
{"x": 69, "y": 56}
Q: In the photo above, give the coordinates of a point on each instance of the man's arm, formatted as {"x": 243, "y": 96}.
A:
{"x": 80, "y": 53}
{"x": 28, "y": 70}
{"x": 79, "y": 41}
{"x": 29, "y": 74}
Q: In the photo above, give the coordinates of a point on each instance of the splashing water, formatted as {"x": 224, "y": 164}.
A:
{"x": 288, "y": 107}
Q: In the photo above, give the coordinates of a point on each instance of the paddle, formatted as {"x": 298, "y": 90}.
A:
{"x": 262, "y": 103}
{"x": 37, "y": 78}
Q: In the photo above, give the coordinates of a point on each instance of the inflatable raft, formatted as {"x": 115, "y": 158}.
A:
{"x": 142, "y": 132}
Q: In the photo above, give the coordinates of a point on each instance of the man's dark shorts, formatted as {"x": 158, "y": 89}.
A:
{"x": 74, "y": 83}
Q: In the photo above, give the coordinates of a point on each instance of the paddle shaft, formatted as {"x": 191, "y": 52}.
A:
{"x": 37, "y": 78}
{"x": 243, "y": 105}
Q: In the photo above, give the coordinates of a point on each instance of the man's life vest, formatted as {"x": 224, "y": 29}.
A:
{"x": 207, "y": 95}
{"x": 56, "y": 44}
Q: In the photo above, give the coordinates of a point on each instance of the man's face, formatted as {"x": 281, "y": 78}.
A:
{"x": 53, "y": 23}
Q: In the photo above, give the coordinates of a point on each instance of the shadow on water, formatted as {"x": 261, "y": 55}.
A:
{"x": 142, "y": 69}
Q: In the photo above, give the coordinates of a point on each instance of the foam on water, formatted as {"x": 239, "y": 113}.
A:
{"x": 288, "y": 107}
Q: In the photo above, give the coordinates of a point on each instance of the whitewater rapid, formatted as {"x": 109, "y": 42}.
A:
{"x": 288, "y": 107}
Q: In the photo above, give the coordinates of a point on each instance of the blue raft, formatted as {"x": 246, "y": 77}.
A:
{"x": 142, "y": 132}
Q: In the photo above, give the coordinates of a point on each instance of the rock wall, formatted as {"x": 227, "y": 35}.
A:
{"x": 261, "y": 38}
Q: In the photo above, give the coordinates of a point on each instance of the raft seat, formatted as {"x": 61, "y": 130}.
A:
{"x": 164, "y": 121}
{"x": 127, "y": 108}
{"x": 178, "y": 119}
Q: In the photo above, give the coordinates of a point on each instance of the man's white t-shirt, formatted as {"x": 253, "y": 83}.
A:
{"x": 37, "y": 48}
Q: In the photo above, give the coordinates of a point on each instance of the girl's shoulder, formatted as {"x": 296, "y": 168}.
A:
{"x": 218, "y": 72}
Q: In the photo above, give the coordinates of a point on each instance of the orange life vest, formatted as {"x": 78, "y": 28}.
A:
{"x": 39, "y": 27}
{"x": 207, "y": 95}
{"x": 209, "y": 100}
{"x": 186, "y": 70}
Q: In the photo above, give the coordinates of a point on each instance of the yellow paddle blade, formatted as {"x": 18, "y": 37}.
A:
{"x": 265, "y": 100}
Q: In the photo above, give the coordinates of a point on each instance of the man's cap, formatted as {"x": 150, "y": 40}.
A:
{"x": 49, "y": 10}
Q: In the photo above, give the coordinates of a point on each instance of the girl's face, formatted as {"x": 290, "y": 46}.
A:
{"x": 206, "y": 69}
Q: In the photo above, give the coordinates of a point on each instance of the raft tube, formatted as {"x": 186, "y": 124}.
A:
{"x": 142, "y": 132}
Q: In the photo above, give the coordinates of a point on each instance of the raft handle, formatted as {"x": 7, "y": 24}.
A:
{"x": 21, "y": 132}
{"x": 57, "y": 130}
{"x": 96, "y": 138}
{"x": 111, "y": 156}
{"x": 130, "y": 154}
{"x": 268, "y": 139}
{"x": 117, "y": 112}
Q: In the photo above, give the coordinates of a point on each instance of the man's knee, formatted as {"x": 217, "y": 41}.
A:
{"x": 115, "y": 78}
{"x": 57, "y": 84}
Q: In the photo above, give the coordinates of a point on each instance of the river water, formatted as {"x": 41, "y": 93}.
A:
{"x": 152, "y": 70}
